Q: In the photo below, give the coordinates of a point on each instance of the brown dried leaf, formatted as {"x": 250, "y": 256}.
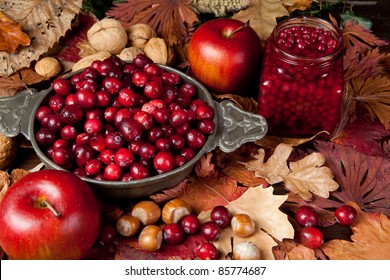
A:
{"x": 204, "y": 167}
{"x": 370, "y": 239}
{"x": 263, "y": 207}
{"x": 262, "y": 15}
{"x": 43, "y": 21}
{"x": 301, "y": 5}
{"x": 11, "y": 35}
{"x": 11, "y": 85}
{"x": 169, "y": 18}
{"x": 288, "y": 249}
{"x": 271, "y": 141}
{"x": 373, "y": 96}
{"x": 169, "y": 194}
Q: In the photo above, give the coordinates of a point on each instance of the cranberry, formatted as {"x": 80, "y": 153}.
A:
{"x": 93, "y": 126}
{"x": 178, "y": 117}
{"x": 97, "y": 142}
{"x": 169, "y": 94}
{"x": 207, "y": 251}
{"x": 179, "y": 160}
{"x": 60, "y": 143}
{"x": 83, "y": 154}
{"x": 90, "y": 73}
{"x": 121, "y": 115}
{"x": 103, "y": 99}
{"x": 42, "y": 112}
{"x": 139, "y": 171}
{"x": 154, "y": 134}
{"x": 128, "y": 98}
{"x": 109, "y": 113}
{"x": 206, "y": 126}
{"x": 114, "y": 141}
{"x": 112, "y": 172}
{"x": 123, "y": 158}
{"x": 170, "y": 78}
{"x": 62, "y": 86}
{"x": 140, "y": 61}
{"x": 107, "y": 235}
{"x": 163, "y": 161}
{"x": 173, "y": 234}
{"x": 183, "y": 129}
{"x": 306, "y": 216}
{"x": 140, "y": 78}
{"x": 210, "y": 231}
{"x": 153, "y": 90}
{"x": 88, "y": 85}
{"x": 204, "y": 112}
{"x": 105, "y": 67}
{"x": 178, "y": 141}
{"x": 190, "y": 224}
{"x": 62, "y": 156}
{"x": 83, "y": 138}
{"x": 153, "y": 69}
{"x": 71, "y": 114}
{"x": 345, "y": 215}
{"x": 188, "y": 153}
{"x": 94, "y": 167}
{"x": 188, "y": 90}
{"x": 220, "y": 215}
{"x": 195, "y": 139}
{"x": 55, "y": 123}
{"x": 161, "y": 115}
{"x": 144, "y": 119}
{"x": 130, "y": 130}
{"x": 163, "y": 144}
{"x": 107, "y": 156}
{"x": 71, "y": 99}
{"x": 56, "y": 103}
{"x": 112, "y": 85}
{"x": 68, "y": 133}
{"x": 311, "y": 237}
{"x": 147, "y": 151}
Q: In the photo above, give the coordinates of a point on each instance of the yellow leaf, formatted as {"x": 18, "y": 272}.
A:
{"x": 263, "y": 207}
{"x": 262, "y": 15}
{"x": 11, "y": 35}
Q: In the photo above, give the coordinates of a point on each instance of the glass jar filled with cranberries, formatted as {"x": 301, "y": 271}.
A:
{"x": 302, "y": 81}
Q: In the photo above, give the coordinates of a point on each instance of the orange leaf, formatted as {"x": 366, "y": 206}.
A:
{"x": 370, "y": 239}
{"x": 11, "y": 85}
{"x": 11, "y": 35}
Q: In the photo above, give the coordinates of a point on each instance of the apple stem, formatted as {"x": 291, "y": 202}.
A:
{"x": 51, "y": 208}
{"x": 246, "y": 24}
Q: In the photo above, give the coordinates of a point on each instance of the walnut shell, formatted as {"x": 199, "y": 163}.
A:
{"x": 48, "y": 67}
{"x": 87, "y": 61}
{"x": 8, "y": 150}
{"x": 159, "y": 51}
{"x": 130, "y": 53}
{"x": 139, "y": 34}
{"x": 108, "y": 35}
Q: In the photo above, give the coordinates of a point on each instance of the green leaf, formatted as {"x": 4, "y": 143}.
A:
{"x": 349, "y": 15}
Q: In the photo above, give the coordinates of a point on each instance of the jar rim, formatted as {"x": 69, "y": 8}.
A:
{"x": 314, "y": 21}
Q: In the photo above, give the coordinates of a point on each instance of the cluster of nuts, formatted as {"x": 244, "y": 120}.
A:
{"x": 8, "y": 150}
{"x": 109, "y": 37}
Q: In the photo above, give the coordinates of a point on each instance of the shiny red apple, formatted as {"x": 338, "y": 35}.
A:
{"x": 225, "y": 54}
{"x": 49, "y": 214}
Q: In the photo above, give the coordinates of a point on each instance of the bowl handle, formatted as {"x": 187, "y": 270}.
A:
{"x": 16, "y": 111}
{"x": 238, "y": 127}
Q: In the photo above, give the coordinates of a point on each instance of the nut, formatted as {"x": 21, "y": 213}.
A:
{"x": 158, "y": 51}
{"x": 139, "y": 34}
{"x": 246, "y": 251}
{"x": 127, "y": 225}
{"x": 242, "y": 225}
{"x": 108, "y": 35}
{"x": 147, "y": 212}
{"x": 174, "y": 210}
{"x": 8, "y": 149}
{"x": 87, "y": 61}
{"x": 48, "y": 67}
{"x": 130, "y": 53}
{"x": 150, "y": 238}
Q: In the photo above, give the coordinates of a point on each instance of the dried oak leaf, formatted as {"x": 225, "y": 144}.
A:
{"x": 12, "y": 84}
{"x": 371, "y": 95}
{"x": 168, "y": 194}
{"x": 43, "y": 21}
{"x": 11, "y": 35}
{"x": 170, "y": 19}
{"x": 370, "y": 239}
{"x": 304, "y": 177}
{"x": 288, "y": 249}
{"x": 363, "y": 179}
{"x": 205, "y": 167}
{"x": 262, "y": 15}
{"x": 263, "y": 207}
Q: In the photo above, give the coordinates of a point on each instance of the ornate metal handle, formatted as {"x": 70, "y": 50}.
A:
{"x": 238, "y": 127}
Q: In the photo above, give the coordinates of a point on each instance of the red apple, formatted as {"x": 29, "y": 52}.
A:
{"x": 49, "y": 214}
{"x": 225, "y": 55}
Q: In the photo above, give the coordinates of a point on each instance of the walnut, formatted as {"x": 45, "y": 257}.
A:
{"x": 108, "y": 35}
{"x": 159, "y": 51}
{"x": 8, "y": 149}
{"x": 129, "y": 53}
{"x": 87, "y": 61}
{"x": 48, "y": 67}
{"x": 219, "y": 8}
{"x": 139, "y": 34}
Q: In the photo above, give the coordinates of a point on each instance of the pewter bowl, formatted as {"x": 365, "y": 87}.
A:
{"x": 233, "y": 127}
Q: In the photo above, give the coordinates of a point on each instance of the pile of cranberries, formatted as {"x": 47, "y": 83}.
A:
{"x": 119, "y": 121}
{"x": 302, "y": 82}
{"x": 307, "y": 217}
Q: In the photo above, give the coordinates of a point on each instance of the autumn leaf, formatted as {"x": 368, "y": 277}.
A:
{"x": 372, "y": 95}
{"x": 10, "y": 85}
{"x": 363, "y": 179}
{"x": 288, "y": 249}
{"x": 301, "y": 5}
{"x": 304, "y": 177}
{"x": 370, "y": 239}
{"x": 43, "y": 21}
{"x": 168, "y": 194}
{"x": 263, "y": 14}
{"x": 263, "y": 207}
{"x": 171, "y": 19}
{"x": 204, "y": 167}
{"x": 11, "y": 35}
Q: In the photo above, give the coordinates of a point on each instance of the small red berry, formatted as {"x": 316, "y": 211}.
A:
{"x": 311, "y": 237}
{"x": 306, "y": 216}
{"x": 207, "y": 251}
{"x": 345, "y": 215}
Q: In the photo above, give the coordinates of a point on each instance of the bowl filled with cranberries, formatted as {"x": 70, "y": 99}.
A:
{"x": 129, "y": 129}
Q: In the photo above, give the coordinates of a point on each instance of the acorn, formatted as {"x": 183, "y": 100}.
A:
{"x": 150, "y": 238}
{"x": 127, "y": 225}
{"x": 147, "y": 212}
{"x": 174, "y": 210}
{"x": 246, "y": 251}
{"x": 242, "y": 225}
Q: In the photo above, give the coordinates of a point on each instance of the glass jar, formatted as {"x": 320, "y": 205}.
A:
{"x": 302, "y": 79}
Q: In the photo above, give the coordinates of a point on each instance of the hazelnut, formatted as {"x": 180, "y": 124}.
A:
{"x": 127, "y": 225}
{"x": 147, "y": 212}
{"x": 48, "y": 67}
{"x": 108, "y": 35}
{"x": 130, "y": 53}
{"x": 246, "y": 251}
{"x": 150, "y": 238}
{"x": 174, "y": 210}
{"x": 139, "y": 34}
{"x": 158, "y": 51}
{"x": 87, "y": 61}
{"x": 8, "y": 149}
{"x": 242, "y": 225}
